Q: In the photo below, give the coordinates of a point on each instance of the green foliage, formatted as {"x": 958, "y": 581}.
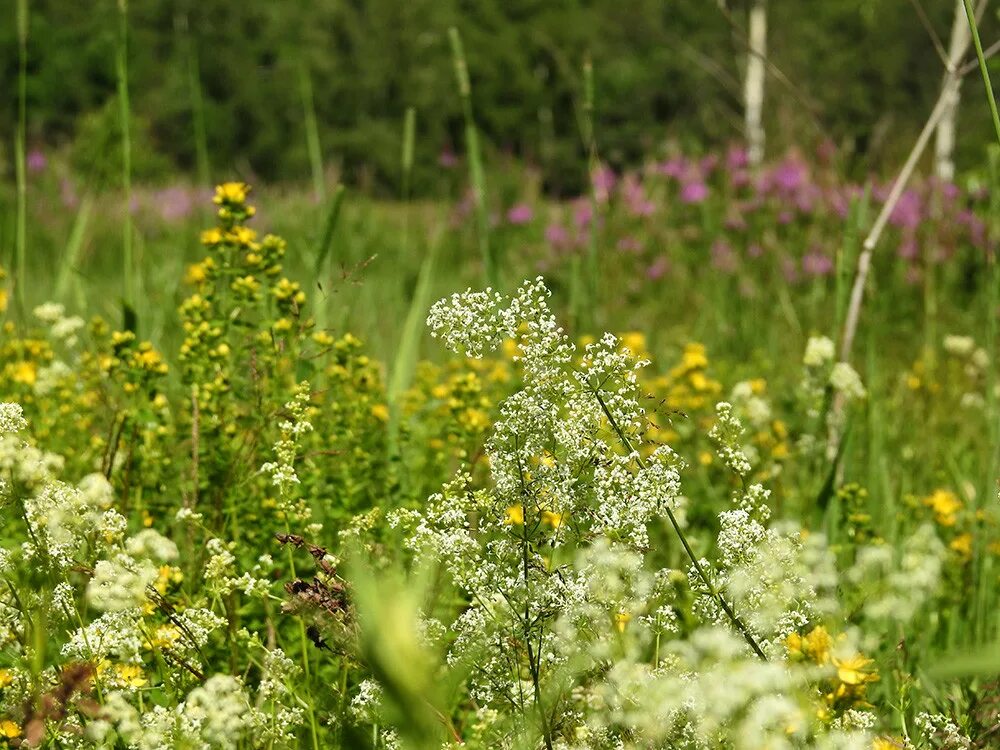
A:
{"x": 858, "y": 70}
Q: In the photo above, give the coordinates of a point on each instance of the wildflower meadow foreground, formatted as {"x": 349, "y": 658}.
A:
{"x": 261, "y": 539}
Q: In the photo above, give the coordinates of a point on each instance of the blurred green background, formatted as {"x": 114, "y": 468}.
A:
{"x": 857, "y": 71}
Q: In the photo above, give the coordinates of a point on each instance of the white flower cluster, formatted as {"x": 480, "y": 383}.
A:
{"x": 473, "y": 323}
{"x": 282, "y": 470}
{"x": 11, "y": 418}
{"x": 215, "y": 716}
{"x": 62, "y": 518}
{"x": 896, "y": 583}
{"x": 844, "y": 379}
{"x": 120, "y": 583}
{"x": 62, "y": 327}
{"x": 727, "y": 433}
{"x": 942, "y": 732}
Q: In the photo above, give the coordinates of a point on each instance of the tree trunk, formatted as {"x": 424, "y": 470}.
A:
{"x": 944, "y": 142}
{"x": 753, "y": 92}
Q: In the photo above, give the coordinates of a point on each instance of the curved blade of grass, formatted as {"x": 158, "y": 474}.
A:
{"x": 69, "y": 271}
{"x": 474, "y": 156}
{"x": 312, "y": 131}
{"x": 329, "y": 229}
{"x": 409, "y": 346}
{"x": 323, "y": 251}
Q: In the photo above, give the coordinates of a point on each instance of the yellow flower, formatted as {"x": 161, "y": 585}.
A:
{"x": 884, "y": 743}
{"x": 9, "y": 730}
{"x": 621, "y": 620}
{"x": 195, "y": 274}
{"x": 705, "y": 458}
{"x": 552, "y": 519}
{"x": 381, "y": 412}
{"x": 814, "y": 646}
{"x": 854, "y": 671}
{"x": 166, "y": 636}
{"x": 515, "y": 515}
{"x": 635, "y": 342}
{"x": 211, "y": 236}
{"x": 6, "y": 678}
{"x": 130, "y": 675}
{"x": 230, "y": 192}
{"x": 475, "y": 419}
{"x": 945, "y": 505}
{"x": 243, "y": 236}
{"x": 962, "y": 544}
{"x": 694, "y": 357}
{"x": 3, "y": 300}
{"x": 24, "y": 372}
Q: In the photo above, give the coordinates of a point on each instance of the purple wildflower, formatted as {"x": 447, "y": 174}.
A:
{"x": 694, "y": 192}
{"x": 36, "y": 161}
{"x": 557, "y": 236}
{"x": 520, "y": 214}
{"x": 817, "y": 263}
{"x": 658, "y": 268}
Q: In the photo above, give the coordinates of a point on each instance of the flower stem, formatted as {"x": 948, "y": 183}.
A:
{"x": 715, "y": 593}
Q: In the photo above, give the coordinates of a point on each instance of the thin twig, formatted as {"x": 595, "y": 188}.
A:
{"x": 951, "y": 83}
{"x": 929, "y": 28}
{"x": 864, "y": 259}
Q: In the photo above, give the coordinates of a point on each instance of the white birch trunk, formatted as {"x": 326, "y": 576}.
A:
{"x": 944, "y": 141}
{"x": 753, "y": 92}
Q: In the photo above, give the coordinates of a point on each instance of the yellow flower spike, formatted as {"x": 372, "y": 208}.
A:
{"x": 622, "y": 619}
{"x": 514, "y": 515}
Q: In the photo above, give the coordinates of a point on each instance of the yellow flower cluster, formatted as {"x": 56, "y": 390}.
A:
{"x": 847, "y": 684}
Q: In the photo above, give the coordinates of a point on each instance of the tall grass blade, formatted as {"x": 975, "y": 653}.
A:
{"x": 128, "y": 259}
{"x": 312, "y": 131}
{"x": 857, "y": 220}
{"x": 20, "y": 148}
{"x": 409, "y": 345}
{"x": 474, "y": 156}
{"x": 324, "y": 249}
{"x": 69, "y": 270}
{"x": 590, "y": 303}
{"x": 983, "y": 69}
{"x": 197, "y": 100}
